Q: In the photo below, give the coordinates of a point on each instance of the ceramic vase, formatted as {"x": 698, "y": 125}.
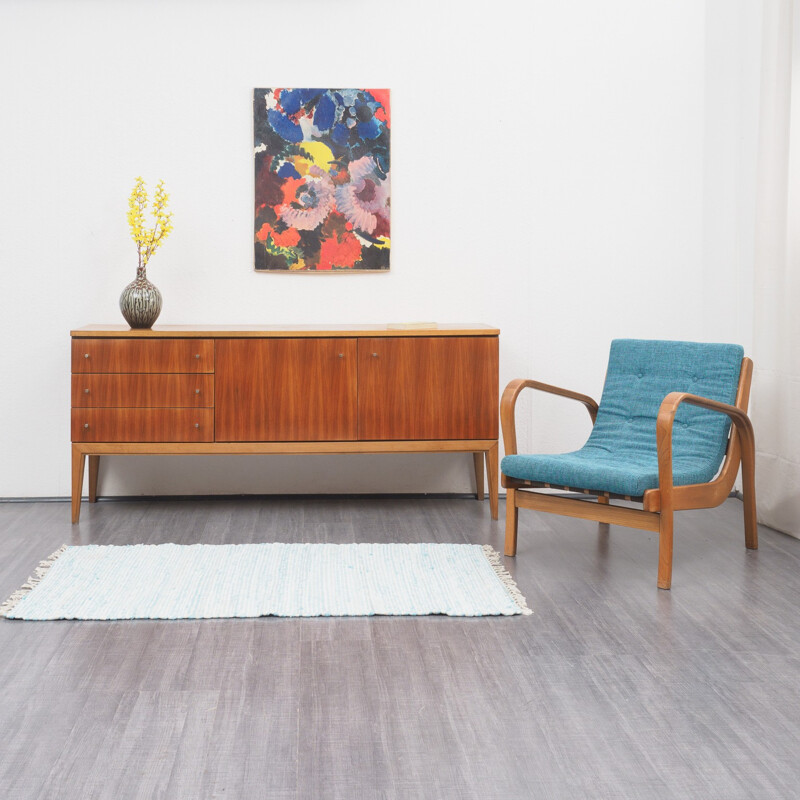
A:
{"x": 140, "y": 301}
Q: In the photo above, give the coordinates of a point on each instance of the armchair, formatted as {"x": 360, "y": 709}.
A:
{"x": 670, "y": 414}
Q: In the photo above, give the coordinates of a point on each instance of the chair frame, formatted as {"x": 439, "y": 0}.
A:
{"x": 658, "y": 505}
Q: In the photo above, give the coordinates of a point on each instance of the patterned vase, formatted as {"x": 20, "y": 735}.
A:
{"x": 140, "y": 301}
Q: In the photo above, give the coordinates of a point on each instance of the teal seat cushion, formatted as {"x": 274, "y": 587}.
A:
{"x": 620, "y": 455}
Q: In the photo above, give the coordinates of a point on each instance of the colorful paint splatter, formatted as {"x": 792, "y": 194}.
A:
{"x": 322, "y": 179}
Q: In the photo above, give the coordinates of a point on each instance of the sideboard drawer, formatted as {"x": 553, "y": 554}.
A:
{"x": 109, "y": 390}
{"x": 142, "y": 355}
{"x": 142, "y": 425}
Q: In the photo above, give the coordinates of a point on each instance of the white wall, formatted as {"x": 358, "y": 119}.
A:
{"x": 731, "y": 128}
{"x": 548, "y": 178}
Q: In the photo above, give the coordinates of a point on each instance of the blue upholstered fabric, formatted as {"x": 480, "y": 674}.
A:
{"x": 620, "y": 455}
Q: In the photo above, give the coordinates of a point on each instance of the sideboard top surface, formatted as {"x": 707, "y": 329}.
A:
{"x": 278, "y": 331}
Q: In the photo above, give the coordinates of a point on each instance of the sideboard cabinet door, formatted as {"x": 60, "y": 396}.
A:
{"x": 285, "y": 390}
{"x": 428, "y": 388}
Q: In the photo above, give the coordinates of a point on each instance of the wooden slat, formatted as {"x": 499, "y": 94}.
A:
{"x": 267, "y": 448}
{"x": 142, "y": 424}
{"x": 514, "y": 483}
{"x": 136, "y": 355}
{"x": 584, "y": 509}
{"x": 114, "y": 390}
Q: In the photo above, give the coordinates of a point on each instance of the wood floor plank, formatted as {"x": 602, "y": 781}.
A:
{"x": 249, "y": 749}
{"x": 436, "y": 720}
{"x": 135, "y": 755}
{"x": 36, "y": 725}
{"x": 94, "y": 723}
{"x": 113, "y": 656}
{"x": 341, "y": 754}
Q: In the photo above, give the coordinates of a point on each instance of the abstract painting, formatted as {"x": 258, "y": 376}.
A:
{"x": 322, "y": 170}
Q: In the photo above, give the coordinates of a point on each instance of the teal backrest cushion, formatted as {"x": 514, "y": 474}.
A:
{"x": 641, "y": 373}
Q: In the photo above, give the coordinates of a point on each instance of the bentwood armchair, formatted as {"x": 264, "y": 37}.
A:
{"x": 662, "y": 437}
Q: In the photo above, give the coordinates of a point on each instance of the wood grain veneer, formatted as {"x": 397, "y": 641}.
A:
{"x": 286, "y": 390}
{"x": 142, "y": 425}
{"x": 136, "y": 355}
{"x": 121, "y": 390}
{"x": 428, "y": 388}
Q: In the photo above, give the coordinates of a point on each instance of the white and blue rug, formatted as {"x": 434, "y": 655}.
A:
{"x": 203, "y": 581}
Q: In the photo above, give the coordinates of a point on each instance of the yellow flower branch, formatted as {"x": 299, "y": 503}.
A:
{"x": 148, "y": 240}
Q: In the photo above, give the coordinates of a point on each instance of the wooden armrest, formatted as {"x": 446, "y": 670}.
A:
{"x": 509, "y": 401}
{"x": 665, "y": 419}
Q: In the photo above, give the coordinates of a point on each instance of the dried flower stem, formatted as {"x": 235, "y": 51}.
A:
{"x": 148, "y": 240}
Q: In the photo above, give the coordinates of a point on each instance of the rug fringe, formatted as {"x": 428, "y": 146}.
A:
{"x": 508, "y": 582}
{"x": 8, "y": 606}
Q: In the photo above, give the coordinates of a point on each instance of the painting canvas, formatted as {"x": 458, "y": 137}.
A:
{"x": 322, "y": 172}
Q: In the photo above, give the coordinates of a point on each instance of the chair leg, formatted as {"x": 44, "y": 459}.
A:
{"x": 602, "y": 527}
{"x": 750, "y": 521}
{"x": 665, "y": 548}
{"x": 512, "y": 519}
{"x": 749, "y": 493}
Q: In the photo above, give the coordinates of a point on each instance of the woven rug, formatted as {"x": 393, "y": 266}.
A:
{"x": 201, "y": 581}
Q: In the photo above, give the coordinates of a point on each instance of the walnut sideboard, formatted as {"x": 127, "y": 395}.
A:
{"x": 179, "y": 390}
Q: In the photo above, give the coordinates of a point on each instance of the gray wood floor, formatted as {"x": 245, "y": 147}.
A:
{"x": 612, "y": 689}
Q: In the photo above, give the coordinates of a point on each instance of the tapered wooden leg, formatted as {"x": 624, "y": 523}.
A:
{"x": 665, "y": 548}
{"x": 94, "y": 468}
{"x": 750, "y": 519}
{"x": 78, "y": 462}
{"x": 749, "y": 489}
{"x": 512, "y": 519}
{"x": 477, "y": 459}
{"x": 491, "y": 472}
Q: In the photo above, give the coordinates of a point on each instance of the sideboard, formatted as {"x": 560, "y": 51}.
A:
{"x": 181, "y": 390}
